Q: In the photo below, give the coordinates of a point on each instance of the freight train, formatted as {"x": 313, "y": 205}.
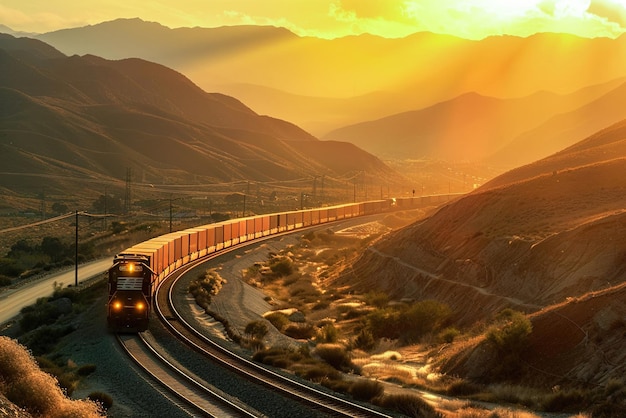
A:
{"x": 137, "y": 271}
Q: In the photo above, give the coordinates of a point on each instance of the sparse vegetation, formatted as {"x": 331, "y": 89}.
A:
{"x": 509, "y": 336}
{"x": 409, "y": 405}
{"x": 408, "y": 323}
{"x": 366, "y": 390}
{"x": 37, "y": 392}
{"x": 103, "y": 399}
{"x": 205, "y": 286}
{"x": 336, "y": 356}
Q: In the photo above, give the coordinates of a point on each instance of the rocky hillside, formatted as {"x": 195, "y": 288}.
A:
{"x": 545, "y": 234}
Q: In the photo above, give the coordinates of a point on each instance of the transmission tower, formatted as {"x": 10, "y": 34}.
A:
{"x": 127, "y": 195}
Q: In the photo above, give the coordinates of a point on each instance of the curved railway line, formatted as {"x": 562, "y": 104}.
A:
{"x": 195, "y": 397}
{"x": 199, "y": 397}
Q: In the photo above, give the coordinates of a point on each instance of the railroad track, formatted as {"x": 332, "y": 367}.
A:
{"x": 200, "y": 392}
{"x": 313, "y": 399}
{"x": 194, "y": 397}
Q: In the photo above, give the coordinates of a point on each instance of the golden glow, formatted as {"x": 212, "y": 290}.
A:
{"x": 474, "y": 19}
{"x": 117, "y": 305}
{"x": 140, "y": 306}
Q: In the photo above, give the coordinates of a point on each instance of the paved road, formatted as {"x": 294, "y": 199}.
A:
{"x": 13, "y": 300}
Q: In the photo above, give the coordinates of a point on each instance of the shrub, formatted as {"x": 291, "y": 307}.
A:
{"x": 101, "y": 398}
{"x": 511, "y": 333}
{"x": 316, "y": 372}
{"x": 366, "y": 390}
{"x": 282, "y": 266}
{"x": 5, "y": 280}
{"x": 409, "y": 405}
{"x": 205, "y": 286}
{"x": 328, "y": 334}
{"x": 37, "y": 392}
{"x": 86, "y": 370}
{"x": 377, "y": 299}
{"x": 463, "y": 388}
{"x": 44, "y": 339}
{"x": 565, "y": 401}
{"x": 272, "y": 356}
{"x": 256, "y": 329}
{"x": 42, "y": 313}
{"x": 448, "y": 335}
{"x": 509, "y": 336}
{"x": 424, "y": 317}
{"x": 335, "y": 355}
{"x": 365, "y": 340}
{"x": 299, "y": 331}
{"x": 278, "y": 319}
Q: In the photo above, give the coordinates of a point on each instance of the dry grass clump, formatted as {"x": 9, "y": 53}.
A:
{"x": 335, "y": 355}
{"x": 205, "y": 286}
{"x": 38, "y": 393}
{"x": 409, "y": 405}
{"x": 366, "y": 390}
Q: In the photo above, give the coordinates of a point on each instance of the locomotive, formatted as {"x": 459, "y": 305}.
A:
{"x": 137, "y": 272}
{"x": 130, "y": 293}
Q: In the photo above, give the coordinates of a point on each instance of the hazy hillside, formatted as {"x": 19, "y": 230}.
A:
{"x": 77, "y": 118}
{"x": 564, "y": 129}
{"x": 409, "y": 73}
{"x": 472, "y": 127}
{"x": 529, "y": 239}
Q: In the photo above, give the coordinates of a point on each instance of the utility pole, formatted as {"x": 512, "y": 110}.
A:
{"x": 105, "y": 208}
{"x": 127, "y": 197}
{"x": 170, "y": 213}
{"x": 76, "y": 254}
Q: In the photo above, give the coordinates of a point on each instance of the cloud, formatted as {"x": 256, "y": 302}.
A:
{"x": 612, "y": 11}
{"x": 371, "y": 9}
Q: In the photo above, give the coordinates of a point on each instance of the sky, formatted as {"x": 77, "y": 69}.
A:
{"x": 471, "y": 19}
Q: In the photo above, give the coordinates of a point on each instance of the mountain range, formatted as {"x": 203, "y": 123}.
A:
{"x": 480, "y": 100}
{"x": 76, "y": 119}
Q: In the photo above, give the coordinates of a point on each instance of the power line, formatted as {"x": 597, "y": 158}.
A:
{"x": 55, "y": 219}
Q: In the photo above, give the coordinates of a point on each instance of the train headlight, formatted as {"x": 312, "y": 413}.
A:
{"x": 140, "y": 306}
{"x": 117, "y": 305}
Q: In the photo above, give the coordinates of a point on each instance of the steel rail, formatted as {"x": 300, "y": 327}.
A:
{"x": 198, "y": 398}
{"x": 187, "y": 333}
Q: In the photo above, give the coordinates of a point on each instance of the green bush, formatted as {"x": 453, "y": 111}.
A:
{"x": 448, "y": 335}
{"x": 510, "y": 333}
{"x": 509, "y": 337}
{"x": 408, "y": 323}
